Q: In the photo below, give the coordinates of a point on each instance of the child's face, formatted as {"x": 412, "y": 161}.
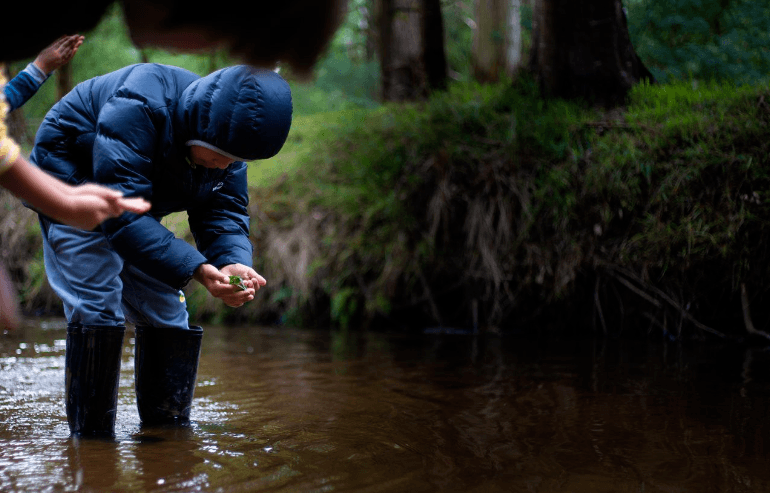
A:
{"x": 203, "y": 156}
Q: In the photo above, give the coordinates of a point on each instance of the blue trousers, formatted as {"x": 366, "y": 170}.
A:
{"x": 97, "y": 287}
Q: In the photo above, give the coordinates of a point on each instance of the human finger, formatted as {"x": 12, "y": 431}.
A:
{"x": 71, "y": 45}
{"x": 98, "y": 190}
{"x": 137, "y": 205}
{"x": 236, "y": 299}
{"x": 261, "y": 281}
{"x": 249, "y": 273}
{"x": 255, "y": 280}
{"x": 213, "y": 276}
{"x": 61, "y": 41}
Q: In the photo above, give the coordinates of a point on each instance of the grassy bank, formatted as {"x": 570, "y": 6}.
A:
{"x": 489, "y": 207}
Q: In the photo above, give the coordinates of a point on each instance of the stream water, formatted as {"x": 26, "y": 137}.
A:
{"x": 283, "y": 410}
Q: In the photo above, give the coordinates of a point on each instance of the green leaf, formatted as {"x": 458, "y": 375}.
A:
{"x": 238, "y": 283}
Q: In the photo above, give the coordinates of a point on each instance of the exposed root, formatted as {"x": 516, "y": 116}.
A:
{"x": 654, "y": 296}
{"x": 747, "y": 315}
{"x": 598, "y": 305}
{"x": 429, "y": 296}
{"x": 293, "y": 251}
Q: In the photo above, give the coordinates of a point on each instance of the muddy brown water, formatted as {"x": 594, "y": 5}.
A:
{"x": 284, "y": 410}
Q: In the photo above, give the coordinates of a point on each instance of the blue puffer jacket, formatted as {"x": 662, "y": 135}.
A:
{"x": 128, "y": 130}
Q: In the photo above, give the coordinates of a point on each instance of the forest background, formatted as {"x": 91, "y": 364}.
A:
{"x": 486, "y": 204}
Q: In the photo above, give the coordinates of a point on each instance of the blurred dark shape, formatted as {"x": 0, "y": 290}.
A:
{"x": 9, "y": 305}
{"x": 296, "y": 32}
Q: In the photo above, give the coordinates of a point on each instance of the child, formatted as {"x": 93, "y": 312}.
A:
{"x": 163, "y": 132}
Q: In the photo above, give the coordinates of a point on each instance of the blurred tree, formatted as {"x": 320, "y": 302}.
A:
{"x": 459, "y": 25}
{"x": 411, "y": 48}
{"x": 63, "y": 81}
{"x": 348, "y": 75}
{"x": 702, "y": 39}
{"x": 434, "y": 54}
{"x": 582, "y": 49}
{"x": 497, "y": 39}
{"x": 356, "y": 35}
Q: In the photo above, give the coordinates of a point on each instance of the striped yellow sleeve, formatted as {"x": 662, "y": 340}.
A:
{"x": 9, "y": 150}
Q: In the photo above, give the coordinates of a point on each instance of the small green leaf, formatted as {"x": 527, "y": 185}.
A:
{"x": 238, "y": 283}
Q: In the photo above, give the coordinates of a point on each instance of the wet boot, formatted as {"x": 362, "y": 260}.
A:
{"x": 92, "y": 376}
{"x": 166, "y": 365}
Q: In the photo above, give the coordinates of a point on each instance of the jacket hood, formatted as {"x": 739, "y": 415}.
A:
{"x": 242, "y": 112}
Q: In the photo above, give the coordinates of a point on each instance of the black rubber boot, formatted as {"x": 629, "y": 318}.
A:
{"x": 92, "y": 376}
{"x": 166, "y": 365}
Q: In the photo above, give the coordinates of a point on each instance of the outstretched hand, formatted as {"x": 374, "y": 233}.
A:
{"x": 92, "y": 204}
{"x": 82, "y": 206}
{"x": 217, "y": 282}
{"x": 58, "y": 53}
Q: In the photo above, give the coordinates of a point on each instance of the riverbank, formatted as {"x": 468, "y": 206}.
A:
{"x": 489, "y": 208}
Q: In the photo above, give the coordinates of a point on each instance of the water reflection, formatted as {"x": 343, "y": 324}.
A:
{"x": 286, "y": 410}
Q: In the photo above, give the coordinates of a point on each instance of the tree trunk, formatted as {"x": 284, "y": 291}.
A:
{"x": 63, "y": 81}
{"x": 581, "y": 50}
{"x": 411, "y": 46}
{"x": 513, "y": 41}
{"x": 496, "y": 39}
{"x": 370, "y": 30}
{"x": 434, "y": 54}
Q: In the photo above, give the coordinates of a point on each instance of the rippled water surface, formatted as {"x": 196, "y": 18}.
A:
{"x": 308, "y": 411}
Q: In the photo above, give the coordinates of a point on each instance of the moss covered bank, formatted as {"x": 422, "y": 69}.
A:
{"x": 490, "y": 208}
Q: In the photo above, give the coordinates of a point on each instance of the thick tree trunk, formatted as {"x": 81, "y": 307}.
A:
{"x": 403, "y": 76}
{"x": 581, "y": 50}
{"x": 513, "y": 43}
{"x": 496, "y": 39}
{"x": 411, "y": 46}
